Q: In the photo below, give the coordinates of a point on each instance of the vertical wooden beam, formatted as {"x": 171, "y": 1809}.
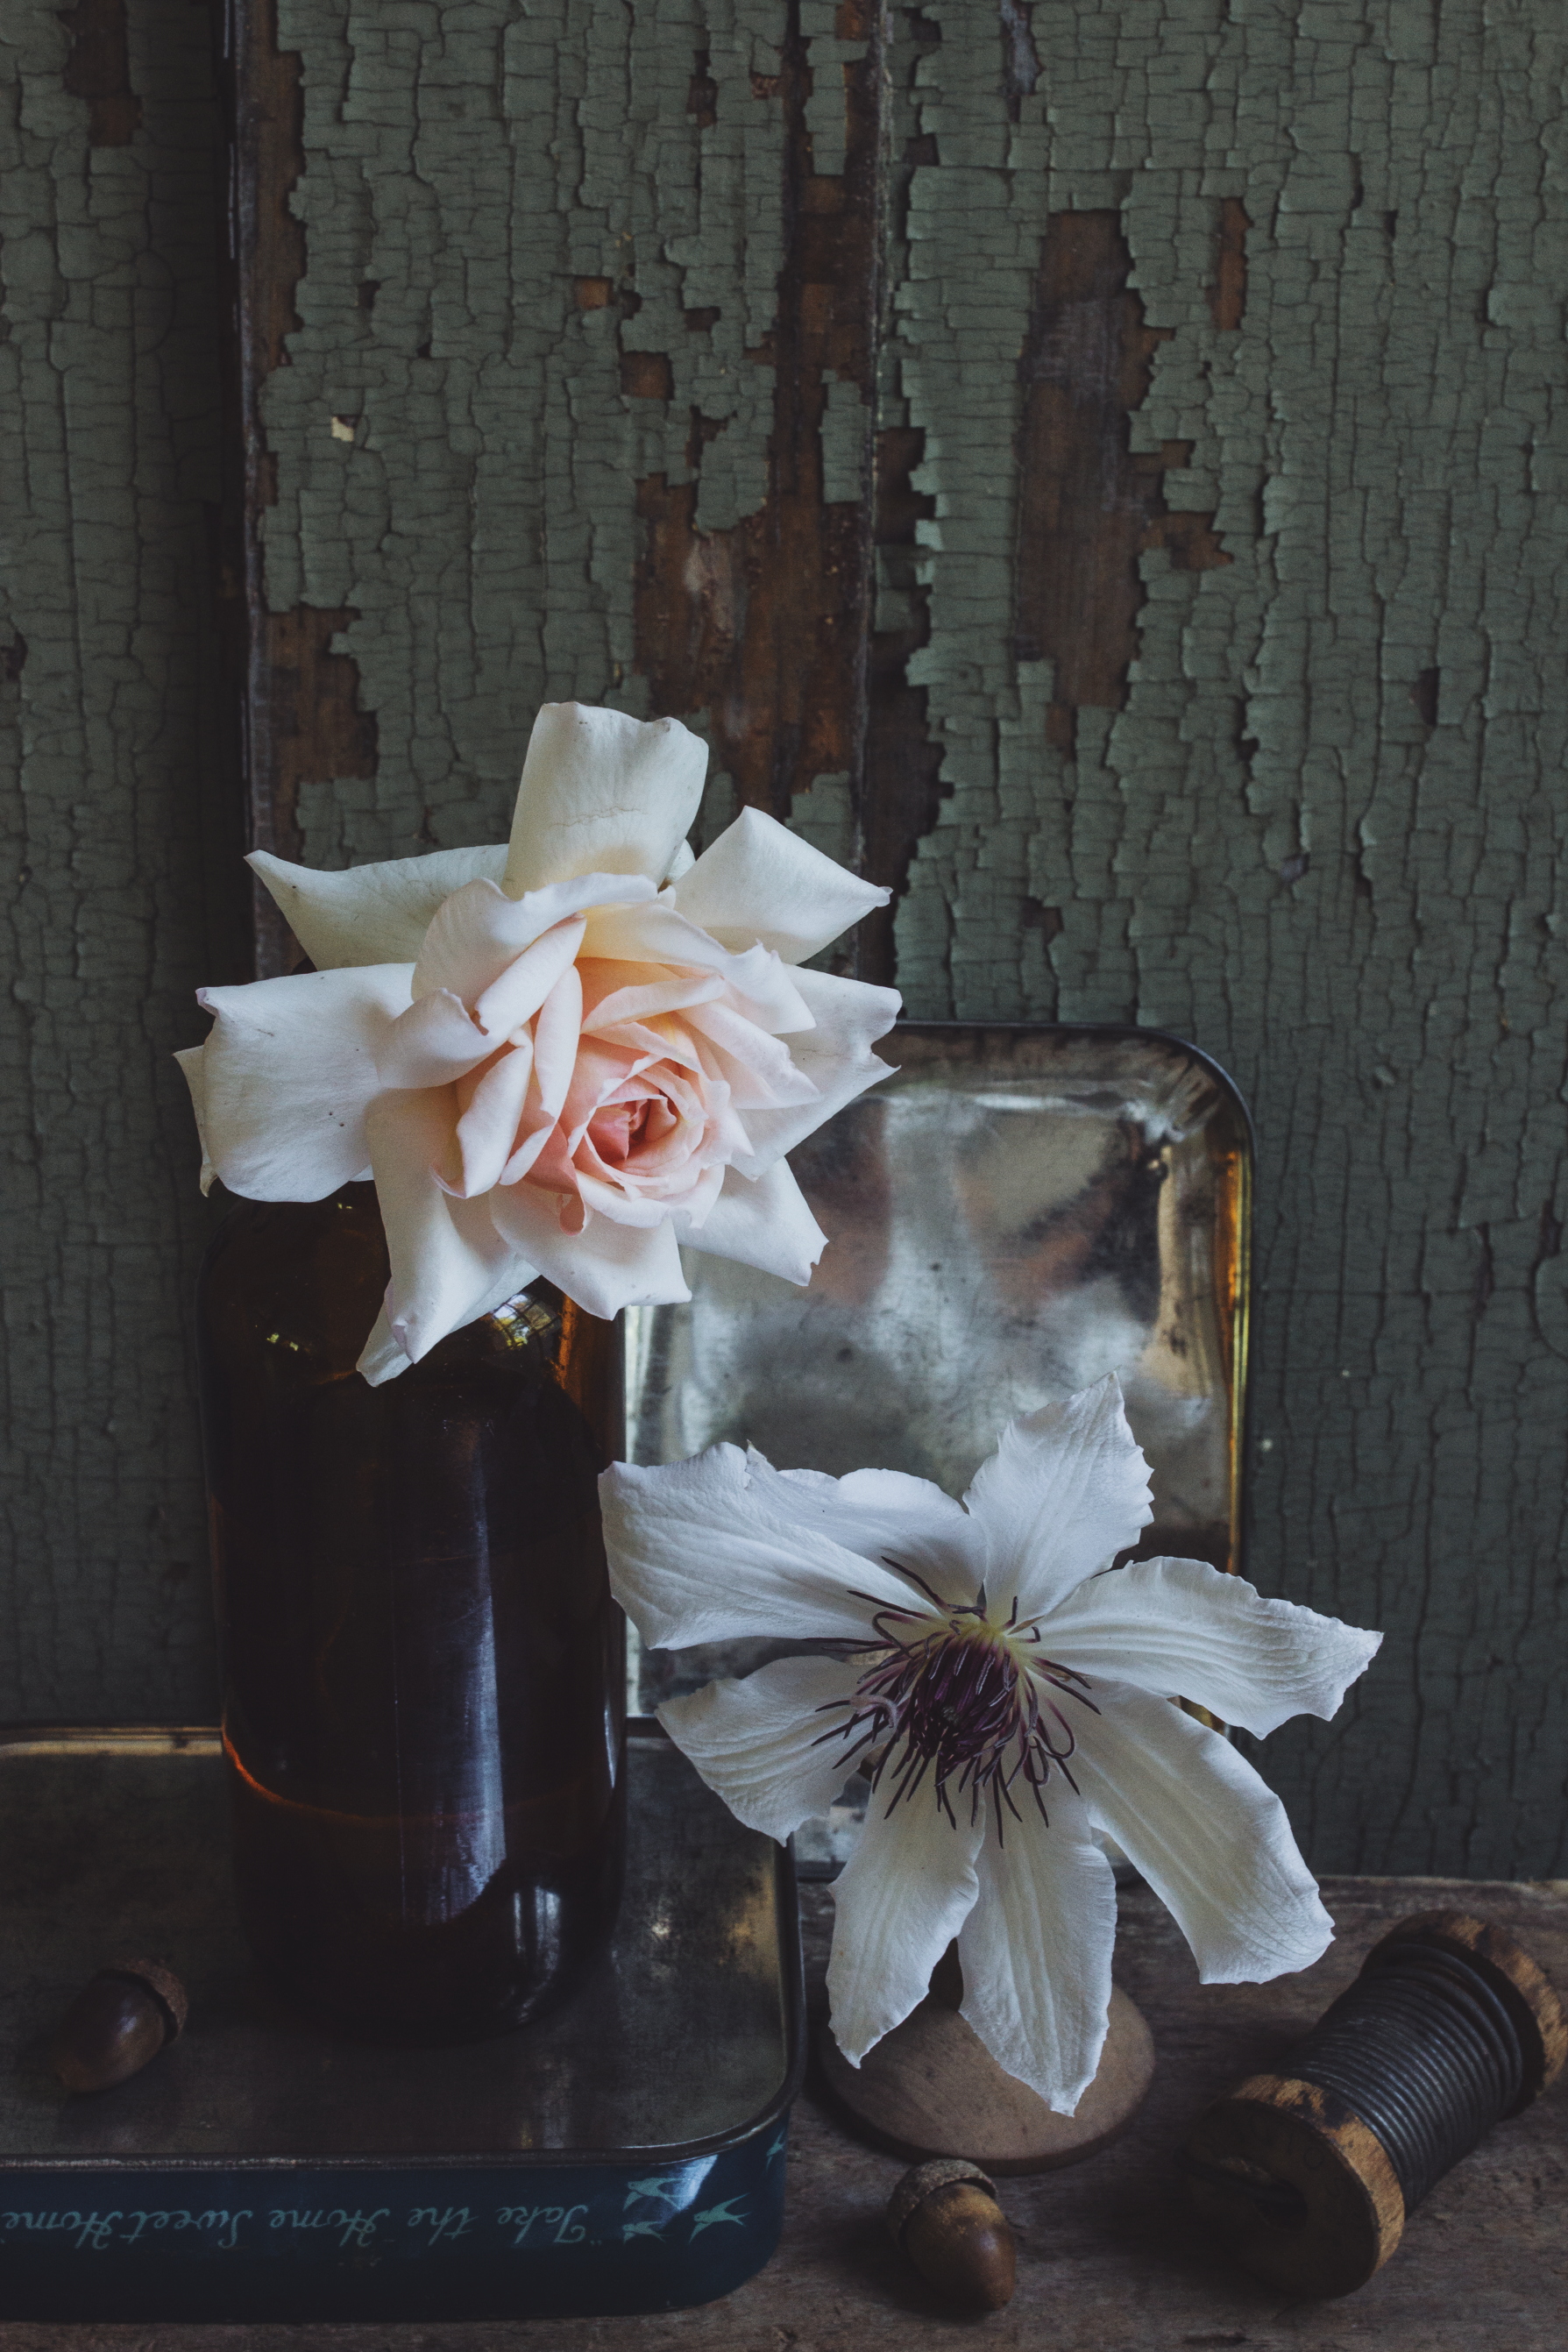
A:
{"x": 766, "y": 624}
{"x": 99, "y": 69}
{"x": 1087, "y": 503}
{"x": 296, "y": 705}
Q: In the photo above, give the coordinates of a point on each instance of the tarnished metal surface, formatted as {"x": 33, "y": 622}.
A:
{"x": 1016, "y": 1213}
{"x": 114, "y": 1845}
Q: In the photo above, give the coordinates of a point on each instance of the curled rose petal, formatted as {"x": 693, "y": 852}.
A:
{"x": 288, "y": 1077}
{"x": 761, "y": 882}
{"x": 433, "y": 1043}
{"x": 476, "y": 933}
{"x": 602, "y": 793}
{"x": 516, "y": 994}
{"x": 369, "y": 914}
{"x": 491, "y": 1105}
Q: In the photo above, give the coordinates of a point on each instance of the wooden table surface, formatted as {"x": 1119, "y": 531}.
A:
{"x": 1110, "y": 2260}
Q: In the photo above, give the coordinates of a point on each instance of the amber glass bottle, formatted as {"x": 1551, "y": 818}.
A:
{"x": 422, "y": 1667}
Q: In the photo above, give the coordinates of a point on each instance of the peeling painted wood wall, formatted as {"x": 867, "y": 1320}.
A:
{"x": 1197, "y": 661}
{"x": 120, "y": 833}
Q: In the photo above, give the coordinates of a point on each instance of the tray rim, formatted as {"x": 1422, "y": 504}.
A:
{"x": 64, "y": 1738}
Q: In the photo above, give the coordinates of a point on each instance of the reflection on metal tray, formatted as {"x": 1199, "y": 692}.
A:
{"x": 625, "y": 2154}
{"x": 1018, "y": 1211}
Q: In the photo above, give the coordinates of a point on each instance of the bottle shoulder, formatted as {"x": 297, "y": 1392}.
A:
{"x": 301, "y": 1278}
{"x": 296, "y": 1287}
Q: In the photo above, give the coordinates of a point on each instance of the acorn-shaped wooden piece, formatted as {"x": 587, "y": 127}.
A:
{"x": 945, "y": 2218}
{"x": 117, "y": 2023}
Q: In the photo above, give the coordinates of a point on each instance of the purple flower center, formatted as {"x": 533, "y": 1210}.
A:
{"x": 970, "y": 1702}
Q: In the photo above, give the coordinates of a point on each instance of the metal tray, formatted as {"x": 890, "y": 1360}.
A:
{"x": 626, "y": 2154}
{"x": 1019, "y": 1211}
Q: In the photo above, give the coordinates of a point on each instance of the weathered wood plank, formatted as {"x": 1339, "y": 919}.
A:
{"x": 578, "y": 398}
{"x": 1302, "y": 806}
{"x": 121, "y": 835}
{"x": 1108, "y": 2255}
{"x": 764, "y": 625}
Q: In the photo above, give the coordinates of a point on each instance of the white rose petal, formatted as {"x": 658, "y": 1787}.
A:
{"x": 288, "y": 1074}
{"x": 369, "y": 914}
{"x": 759, "y": 881}
{"x": 602, "y": 794}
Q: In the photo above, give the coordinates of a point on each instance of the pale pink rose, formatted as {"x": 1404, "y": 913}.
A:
{"x": 563, "y": 1057}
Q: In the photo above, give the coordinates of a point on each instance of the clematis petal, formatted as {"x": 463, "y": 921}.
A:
{"x": 759, "y": 1743}
{"x": 600, "y": 790}
{"x": 1036, "y": 1948}
{"x": 431, "y": 1043}
{"x": 370, "y": 914}
{"x": 1169, "y": 1625}
{"x": 762, "y": 1221}
{"x": 1212, "y": 1840}
{"x": 702, "y": 1557}
{"x": 883, "y": 1515}
{"x": 1066, "y": 1489}
{"x": 479, "y": 931}
{"x": 447, "y": 1258}
{"x": 604, "y": 1266}
{"x": 522, "y": 988}
{"x": 902, "y": 1895}
{"x": 835, "y": 1053}
{"x": 287, "y": 1075}
{"x": 759, "y": 881}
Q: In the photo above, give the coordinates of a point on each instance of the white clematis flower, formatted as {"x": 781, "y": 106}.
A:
{"x": 1010, "y": 1693}
{"x": 559, "y": 1057}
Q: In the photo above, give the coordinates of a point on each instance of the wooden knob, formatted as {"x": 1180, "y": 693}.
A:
{"x": 117, "y": 2023}
{"x": 945, "y": 2217}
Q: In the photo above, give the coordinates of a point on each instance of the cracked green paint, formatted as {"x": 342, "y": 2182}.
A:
{"x": 470, "y": 165}
{"x": 825, "y": 113}
{"x": 111, "y": 830}
{"x": 1384, "y": 444}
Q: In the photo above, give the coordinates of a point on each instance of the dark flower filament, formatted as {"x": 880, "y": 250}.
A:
{"x": 969, "y": 1702}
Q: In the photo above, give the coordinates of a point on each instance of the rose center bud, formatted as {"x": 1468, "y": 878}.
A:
{"x": 618, "y": 1130}
{"x": 968, "y": 1702}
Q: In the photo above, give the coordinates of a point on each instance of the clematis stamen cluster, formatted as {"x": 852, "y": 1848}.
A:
{"x": 948, "y": 1692}
{"x": 563, "y": 1056}
{"x": 990, "y": 1649}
